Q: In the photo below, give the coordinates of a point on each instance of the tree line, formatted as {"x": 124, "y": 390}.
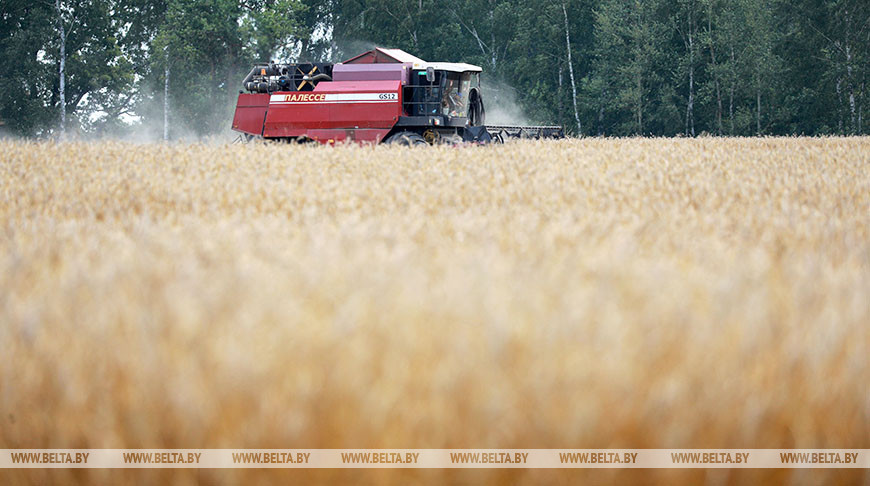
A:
{"x": 172, "y": 68}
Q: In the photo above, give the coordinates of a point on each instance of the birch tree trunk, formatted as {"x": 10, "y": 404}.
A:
{"x": 851, "y": 84}
{"x": 492, "y": 50}
{"x": 861, "y": 107}
{"x": 601, "y": 112}
{"x": 839, "y": 106}
{"x": 690, "y": 106}
{"x": 561, "y": 89}
{"x": 731, "y": 92}
{"x": 571, "y": 71}
{"x": 863, "y": 91}
{"x": 757, "y": 101}
{"x": 690, "y": 45}
{"x": 850, "y": 80}
{"x": 638, "y": 40}
{"x": 166, "y": 102}
{"x": 639, "y": 101}
{"x": 715, "y": 71}
{"x": 62, "y": 71}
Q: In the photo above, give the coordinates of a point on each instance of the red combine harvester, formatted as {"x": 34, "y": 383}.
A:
{"x": 384, "y": 95}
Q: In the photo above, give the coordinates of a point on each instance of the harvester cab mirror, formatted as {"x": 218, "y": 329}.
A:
{"x": 430, "y": 74}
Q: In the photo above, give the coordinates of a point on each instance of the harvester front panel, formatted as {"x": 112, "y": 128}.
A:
{"x": 251, "y": 113}
{"x": 335, "y": 111}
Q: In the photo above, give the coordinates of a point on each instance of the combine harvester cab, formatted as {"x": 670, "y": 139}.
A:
{"x": 383, "y": 95}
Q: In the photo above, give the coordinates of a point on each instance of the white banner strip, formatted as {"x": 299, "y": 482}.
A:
{"x": 304, "y": 97}
{"x": 435, "y": 458}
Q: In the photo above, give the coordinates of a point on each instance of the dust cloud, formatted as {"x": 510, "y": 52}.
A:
{"x": 500, "y": 102}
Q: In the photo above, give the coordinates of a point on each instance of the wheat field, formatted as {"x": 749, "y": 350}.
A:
{"x": 593, "y": 293}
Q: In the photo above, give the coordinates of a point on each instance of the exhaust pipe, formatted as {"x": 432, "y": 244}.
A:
{"x": 317, "y": 78}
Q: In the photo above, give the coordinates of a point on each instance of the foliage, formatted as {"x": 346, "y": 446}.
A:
{"x": 650, "y": 67}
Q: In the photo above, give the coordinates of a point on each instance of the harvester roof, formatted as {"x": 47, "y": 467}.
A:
{"x": 380, "y": 55}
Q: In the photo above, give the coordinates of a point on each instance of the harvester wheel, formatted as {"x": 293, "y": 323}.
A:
{"x": 410, "y": 139}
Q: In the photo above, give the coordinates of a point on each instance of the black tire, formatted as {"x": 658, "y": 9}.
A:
{"x": 409, "y": 139}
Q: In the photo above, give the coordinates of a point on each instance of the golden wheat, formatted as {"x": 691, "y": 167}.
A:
{"x": 573, "y": 294}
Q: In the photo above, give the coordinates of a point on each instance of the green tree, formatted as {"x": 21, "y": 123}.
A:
{"x": 687, "y": 23}
{"x": 630, "y": 50}
{"x": 35, "y": 53}
{"x": 761, "y": 59}
{"x": 842, "y": 30}
{"x": 25, "y": 75}
{"x": 208, "y": 46}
